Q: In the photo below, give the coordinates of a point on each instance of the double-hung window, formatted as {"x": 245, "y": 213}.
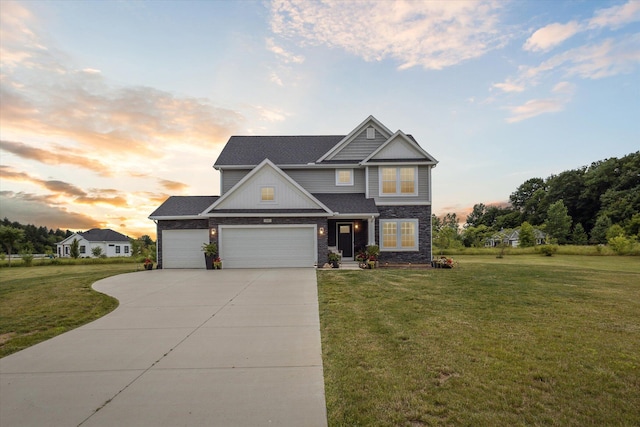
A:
{"x": 398, "y": 181}
{"x": 399, "y": 234}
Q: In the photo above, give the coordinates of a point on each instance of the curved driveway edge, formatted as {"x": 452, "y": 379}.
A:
{"x": 184, "y": 348}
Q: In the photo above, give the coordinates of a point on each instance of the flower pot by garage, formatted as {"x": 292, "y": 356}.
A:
{"x": 208, "y": 261}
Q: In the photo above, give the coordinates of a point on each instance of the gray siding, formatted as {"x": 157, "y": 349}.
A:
{"x": 360, "y": 147}
{"x": 324, "y": 180}
{"x": 231, "y": 177}
{"x": 423, "y": 188}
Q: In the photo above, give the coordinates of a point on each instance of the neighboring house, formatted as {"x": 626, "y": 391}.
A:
{"x": 287, "y": 200}
{"x": 512, "y": 238}
{"x": 113, "y": 244}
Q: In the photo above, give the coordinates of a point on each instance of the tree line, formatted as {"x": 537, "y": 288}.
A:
{"x": 588, "y": 205}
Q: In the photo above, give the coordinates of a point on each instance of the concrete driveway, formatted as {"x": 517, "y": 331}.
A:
{"x": 184, "y": 348}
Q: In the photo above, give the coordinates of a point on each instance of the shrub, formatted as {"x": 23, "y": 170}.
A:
{"x": 548, "y": 250}
{"x": 620, "y": 244}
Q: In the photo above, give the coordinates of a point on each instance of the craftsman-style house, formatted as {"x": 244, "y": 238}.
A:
{"x": 286, "y": 201}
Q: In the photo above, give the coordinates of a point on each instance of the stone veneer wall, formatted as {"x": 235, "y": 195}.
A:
{"x": 423, "y": 214}
{"x": 187, "y": 224}
{"x": 323, "y": 246}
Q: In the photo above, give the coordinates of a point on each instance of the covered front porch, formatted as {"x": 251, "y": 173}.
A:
{"x": 350, "y": 235}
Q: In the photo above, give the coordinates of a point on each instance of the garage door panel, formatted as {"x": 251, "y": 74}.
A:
{"x": 183, "y": 248}
{"x": 256, "y": 247}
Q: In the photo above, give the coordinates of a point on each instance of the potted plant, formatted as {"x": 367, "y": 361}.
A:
{"x": 334, "y": 260}
{"x": 217, "y": 263}
{"x": 210, "y": 251}
{"x": 148, "y": 263}
{"x": 372, "y": 255}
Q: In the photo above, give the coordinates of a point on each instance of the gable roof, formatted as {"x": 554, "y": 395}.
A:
{"x": 407, "y": 142}
{"x": 267, "y": 164}
{"x": 98, "y": 235}
{"x": 281, "y": 150}
{"x": 183, "y": 207}
{"x": 368, "y": 122}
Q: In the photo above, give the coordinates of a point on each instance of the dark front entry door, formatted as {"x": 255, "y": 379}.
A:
{"x": 345, "y": 240}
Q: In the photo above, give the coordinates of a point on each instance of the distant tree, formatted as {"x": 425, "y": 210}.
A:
{"x": 75, "y": 249}
{"x": 146, "y": 239}
{"x": 558, "y": 222}
{"x": 632, "y": 228}
{"x": 599, "y": 231}
{"x": 527, "y": 235}
{"x": 579, "y": 236}
{"x": 10, "y": 236}
{"x": 475, "y": 237}
{"x": 96, "y": 252}
{"x": 474, "y": 219}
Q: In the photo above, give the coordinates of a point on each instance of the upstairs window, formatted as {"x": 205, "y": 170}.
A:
{"x": 371, "y": 133}
{"x": 396, "y": 181}
{"x": 344, "y": 176}
{"x": 268, "y": 194}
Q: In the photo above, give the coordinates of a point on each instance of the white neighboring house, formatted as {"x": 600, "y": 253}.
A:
{"x": 113, "y": 244}
{"x": 512, "y": 238}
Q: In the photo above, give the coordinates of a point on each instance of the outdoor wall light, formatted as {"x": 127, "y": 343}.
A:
{"x": 356, "y": 226}
{"x": 321, "y": 230}
{"x": 213, "y": 231}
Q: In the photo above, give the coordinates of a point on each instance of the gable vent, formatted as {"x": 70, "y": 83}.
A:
{"x": 371, "y": 133}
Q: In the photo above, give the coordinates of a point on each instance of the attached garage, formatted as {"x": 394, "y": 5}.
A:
{"x": 267, "y": 246}
{"x": 183, "y": 248}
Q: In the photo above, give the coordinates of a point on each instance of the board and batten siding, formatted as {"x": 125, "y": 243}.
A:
{"x": 360, "y": 147}
{"x": 423, "y": 188}
{"x": 286, "y": 195}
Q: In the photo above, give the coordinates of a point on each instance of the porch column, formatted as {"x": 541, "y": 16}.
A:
{"x": 372, "y": 230}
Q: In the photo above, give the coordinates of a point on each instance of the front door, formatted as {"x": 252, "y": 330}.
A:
{"x": 345, "y": 240}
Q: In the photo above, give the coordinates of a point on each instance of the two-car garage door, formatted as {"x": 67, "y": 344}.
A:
{"x": 243, "y": 246}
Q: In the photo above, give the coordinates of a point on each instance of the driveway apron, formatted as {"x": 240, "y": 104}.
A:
{"x": 184, "y": 348}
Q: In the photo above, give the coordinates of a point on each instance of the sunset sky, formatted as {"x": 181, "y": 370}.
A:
{"x": 109, "y": 107}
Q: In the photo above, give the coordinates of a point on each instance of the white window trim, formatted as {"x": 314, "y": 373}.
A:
{"x": 275, "y": 194}
{"x": 338, "y": 183}
{"x": 398, "y": 193}
{"x": 399, "y": 235}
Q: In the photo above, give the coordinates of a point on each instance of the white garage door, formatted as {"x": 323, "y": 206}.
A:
{"x": 183, "y": 248}
{"x": 267, "y": 246}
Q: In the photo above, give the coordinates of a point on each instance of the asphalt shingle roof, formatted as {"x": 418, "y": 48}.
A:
{"x": 348, "y": 203}
{"x": 184, "y": 206}
{"x": 106, "y": 235}
{"x": 281, "y": 150}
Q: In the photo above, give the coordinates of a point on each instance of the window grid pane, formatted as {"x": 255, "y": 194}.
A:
{"x": 407, "y": 180}
{"x": 389, "y": 235}
{"x": 344, "y": 177}
{"x": 389, "y": 185}
{"x": 407, "y": 230}
{"x": 267, "y": 194}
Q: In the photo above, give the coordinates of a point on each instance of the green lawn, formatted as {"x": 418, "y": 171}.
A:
{"x": 526, "y": 340}
{"x": 37, "y": 303}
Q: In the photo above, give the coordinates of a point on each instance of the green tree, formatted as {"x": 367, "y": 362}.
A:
{"x": 615, "y": 230}
{"x": 75, "y": 249}
{"x": 579, "y": 236}
{"x": 475, "y": 237}
{"x": 96, "y": 252}
{"x": 599, "y": 231}
{"x": 10, "y": 236}
{"x": 558, "y": 222}
{"x": 527, "y": 237}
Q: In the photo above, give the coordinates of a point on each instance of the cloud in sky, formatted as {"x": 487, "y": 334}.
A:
{"x": 433, "y": 35}
{"x": 589, "y": 60}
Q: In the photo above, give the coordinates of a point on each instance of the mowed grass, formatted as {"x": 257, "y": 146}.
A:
{"x": 38, "y": 303}
{"x": 527, "y": 340}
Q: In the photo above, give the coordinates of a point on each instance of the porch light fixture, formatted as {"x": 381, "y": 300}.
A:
{"x": 213, "y": 231}
{"x": 321, "y": 230}
{"x": 356, "y": 226}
